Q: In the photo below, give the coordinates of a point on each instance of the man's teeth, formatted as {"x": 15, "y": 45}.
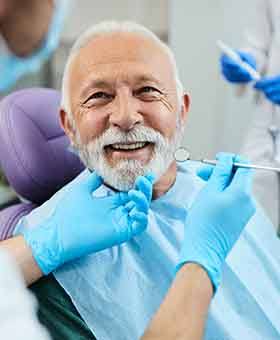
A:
{"x": 131, "y": 146}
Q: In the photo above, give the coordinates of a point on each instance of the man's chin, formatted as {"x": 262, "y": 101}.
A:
{"x": 120, "y": 186}
{"x": 123, "y": 176}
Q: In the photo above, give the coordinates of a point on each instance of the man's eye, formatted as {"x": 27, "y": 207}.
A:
{"x": 99, "y": 95}
{"x": 147, "y": 89}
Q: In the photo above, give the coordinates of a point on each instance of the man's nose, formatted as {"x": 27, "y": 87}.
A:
{"x": 125, "y": 114}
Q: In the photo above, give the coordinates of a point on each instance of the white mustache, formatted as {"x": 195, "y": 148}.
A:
{"x": 138, "y": 134}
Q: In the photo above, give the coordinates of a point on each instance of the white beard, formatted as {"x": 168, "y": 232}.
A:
{"x": 123, "y": 175}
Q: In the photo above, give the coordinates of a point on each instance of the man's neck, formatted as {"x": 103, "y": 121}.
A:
{"x": 165, "y": 182}
{"x": 25, "y": 28}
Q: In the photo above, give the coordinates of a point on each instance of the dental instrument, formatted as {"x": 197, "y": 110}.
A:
{"x": 182, "y": 154}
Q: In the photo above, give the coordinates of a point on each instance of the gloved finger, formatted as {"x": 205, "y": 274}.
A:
{"x": 139, "y": 199}
{"x": 151, "y": 177}
{"x": 205, "y": 172}
{"x": 244, "y": 78}
{"x": 236, "y": 76}
{"x": 230, "y": 70}
{"x": 267, "y": 82}
{"x": 248, "y": 58}
{"x": 238, "y": 80}
{"x": 275, "y": 98}
{"x": 124, "y": 199}
{"x": 228, "y": 62}
{"x": 223, "y": 171}
{"x": 260, "y": 85}
{"x": 145, "y": 185}
{"x": 245, "y": 56}
{"x": 129, "y": 206}
{"x": 231, "y": 66}
{"x": 235, "y": 71}
{"x": 140, "y": 225}
{"x": 138, "y": 216}
{"x": 91, "y": 182}
{"x": 272, "y": 89}
{"x": 243, "y": 177}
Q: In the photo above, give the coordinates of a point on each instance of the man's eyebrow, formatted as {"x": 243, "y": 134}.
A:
{"x": 101, "y": 83}
{"x": 147, "y": 78}
{"x": 94, "y": 83}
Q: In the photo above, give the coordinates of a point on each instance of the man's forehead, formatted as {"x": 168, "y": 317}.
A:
{"x": 119, "y": 48}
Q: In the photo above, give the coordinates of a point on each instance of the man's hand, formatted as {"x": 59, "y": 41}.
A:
{"x": 82, "y": 224}
{"x": 218, "y": 216}
{"x": 233, "y": 72}
{"x": 270, "y": 86}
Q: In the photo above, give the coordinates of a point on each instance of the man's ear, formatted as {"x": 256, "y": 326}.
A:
{"x": 185, "y": 107}
{"x": 67, "y": 125}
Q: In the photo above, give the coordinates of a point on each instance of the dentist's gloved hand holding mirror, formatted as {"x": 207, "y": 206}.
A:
{"x": 218, "y": 215}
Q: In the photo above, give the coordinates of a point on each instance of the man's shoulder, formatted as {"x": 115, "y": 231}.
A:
{"x": 44, "y": 211}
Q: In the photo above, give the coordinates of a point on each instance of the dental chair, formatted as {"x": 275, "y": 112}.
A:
{"x": 34, "y": 153}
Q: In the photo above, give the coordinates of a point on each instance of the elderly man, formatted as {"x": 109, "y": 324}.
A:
{"x": 123, "y": 109}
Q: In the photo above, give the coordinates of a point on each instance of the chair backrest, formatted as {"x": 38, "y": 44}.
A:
{"x": 10, "y": 216}
{"x": 34, "y": 153}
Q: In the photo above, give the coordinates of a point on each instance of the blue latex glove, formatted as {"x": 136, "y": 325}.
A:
{"x": 270, "y": 86}
{"x": 218, "y": 215}
{"x": 82, "y": 224}
{"x": 233, "y": 72}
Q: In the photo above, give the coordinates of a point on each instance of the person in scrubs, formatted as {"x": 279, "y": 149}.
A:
{"x": 262, "y": 51}
{"x": 29, "y": 33}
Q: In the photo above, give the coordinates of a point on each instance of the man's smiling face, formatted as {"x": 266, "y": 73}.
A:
{"x": 123, "y": 97}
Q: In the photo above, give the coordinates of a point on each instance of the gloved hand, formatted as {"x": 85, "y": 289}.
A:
{"x": 82, "y": 224}
{"x": 270, "y": 86}
{"x": 233, "y": 72}
{"x": 217, "y": 217}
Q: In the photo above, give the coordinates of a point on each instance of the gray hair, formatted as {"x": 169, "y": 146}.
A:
{"x": 109, "y": 27}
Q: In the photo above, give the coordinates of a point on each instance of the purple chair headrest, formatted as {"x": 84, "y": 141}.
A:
{"x": 34, "y": 151}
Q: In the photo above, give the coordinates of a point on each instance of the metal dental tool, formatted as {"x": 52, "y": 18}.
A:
{"x": 182, "y": 154}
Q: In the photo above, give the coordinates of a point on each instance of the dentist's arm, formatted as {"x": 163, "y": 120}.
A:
{"x": 22, "y": 255}
{"x": 183, "y": 313}
{"x": 213, "y": 225}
